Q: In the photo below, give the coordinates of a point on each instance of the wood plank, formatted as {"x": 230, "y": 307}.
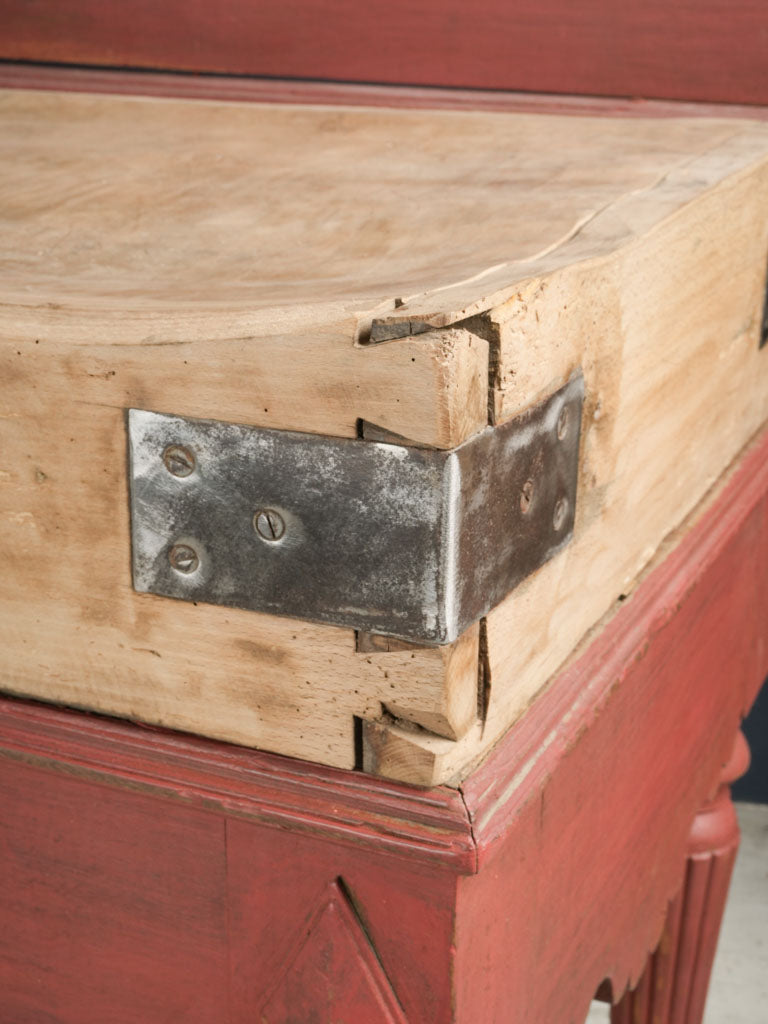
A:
{"x": 677, "y": 386}
{"x": 664, "y": 318}
{"x": 109, "y": 910}
{"x": 157, "y": 256}
{"x": 711, "y": 50}
{"x": 214, "y": 243}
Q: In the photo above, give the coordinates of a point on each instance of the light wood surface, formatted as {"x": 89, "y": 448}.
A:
{"x": 217, "y": 216}
{"x": 666, "y": 329}
{"x": 226, "y": 261}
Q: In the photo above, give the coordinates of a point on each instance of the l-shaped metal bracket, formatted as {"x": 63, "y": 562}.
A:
{"x": 409, "y": 542}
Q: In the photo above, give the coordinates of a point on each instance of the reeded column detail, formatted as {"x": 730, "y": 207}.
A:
{"x": 673, "y": 988}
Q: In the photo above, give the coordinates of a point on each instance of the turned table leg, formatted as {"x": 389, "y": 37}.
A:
{"x": 673, "y": 988}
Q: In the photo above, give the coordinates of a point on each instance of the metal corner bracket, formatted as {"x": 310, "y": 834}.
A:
{"x": 408, "y": 542}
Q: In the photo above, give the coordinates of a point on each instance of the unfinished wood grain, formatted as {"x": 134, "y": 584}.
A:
{"x": 676, "y": 383}
{"x": 666, "y": 330}
{"x": 217, "y": 218}
{"x": 72, "y": 629}
{"x": 226, "y": 261}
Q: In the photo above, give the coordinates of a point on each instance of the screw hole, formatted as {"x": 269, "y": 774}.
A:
{"x": 561, "y": 513}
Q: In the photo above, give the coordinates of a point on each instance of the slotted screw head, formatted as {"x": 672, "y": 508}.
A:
{"x": 183, "y": 558}
{"x": 269, "y": 524}
{"x": 179, "y": 461}
{"x": 561, "y": 511}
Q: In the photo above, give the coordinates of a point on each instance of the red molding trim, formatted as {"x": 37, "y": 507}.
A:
{"x": 346, "y": 807}
{"x": 711, "y": 50}
{"x": 235, "y": 89}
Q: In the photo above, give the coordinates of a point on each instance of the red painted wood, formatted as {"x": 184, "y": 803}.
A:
{"x": 333, "y": 975}
{"x": 156, "y": 877}
{"x": 673, "y": 987}
{"x": 111, "y": 909}
{"x": 711, "y": 50}
{"x": 277, "y": 884}
{"x": 228, "y": 88}
{"x": 346, "y": 808}
{"x": 233, "y": 849}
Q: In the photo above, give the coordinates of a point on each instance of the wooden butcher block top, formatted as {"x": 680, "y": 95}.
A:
{"x": 336, "y": 271}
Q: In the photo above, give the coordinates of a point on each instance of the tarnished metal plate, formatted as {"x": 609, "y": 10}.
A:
{"x": 408, "y": 542}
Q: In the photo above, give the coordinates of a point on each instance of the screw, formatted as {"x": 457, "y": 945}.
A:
{"x": 179, "y": 461}
{"x": 561, "y": 511}
{"x": 526, "y": 496}
{"x": 562, "y": 423}
{"x": 183, "y": 558}
{"x": 269, "y": 524}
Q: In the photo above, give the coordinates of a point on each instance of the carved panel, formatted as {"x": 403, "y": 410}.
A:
{"x": 333, "y": 974}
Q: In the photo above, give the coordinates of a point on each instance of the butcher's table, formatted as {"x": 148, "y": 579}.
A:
{"x": 384, "y": 558}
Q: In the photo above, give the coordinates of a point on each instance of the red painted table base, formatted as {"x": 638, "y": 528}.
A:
{"x": 673, "y": 987}
{"x": 152, "y": 877}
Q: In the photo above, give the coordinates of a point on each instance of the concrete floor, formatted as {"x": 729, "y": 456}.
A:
{"x": 738, "y": 992}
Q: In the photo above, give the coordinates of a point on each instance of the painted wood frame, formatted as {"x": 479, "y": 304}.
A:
{"x": 149, "y": 875}
{"x": 242, "y": 89}
{"x": 709, "y": 51}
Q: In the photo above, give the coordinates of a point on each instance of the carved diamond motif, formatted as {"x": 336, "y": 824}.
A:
{"x": 334, "y": 976}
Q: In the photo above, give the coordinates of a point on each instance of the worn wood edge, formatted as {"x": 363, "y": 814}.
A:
{"x": 461, "y": 366}
{"x": 268, "y": 789}
{"x": 278, "y": 670}
{"x": 242, "y": 89}
{"x": 441, "y": 377}
{"x": 586, "y": 677}
{"x": 627, "y": 221}
{"x": 399, "y": 750}
{"x": 516, "y": 358}
{"x": 454, "y": 712}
